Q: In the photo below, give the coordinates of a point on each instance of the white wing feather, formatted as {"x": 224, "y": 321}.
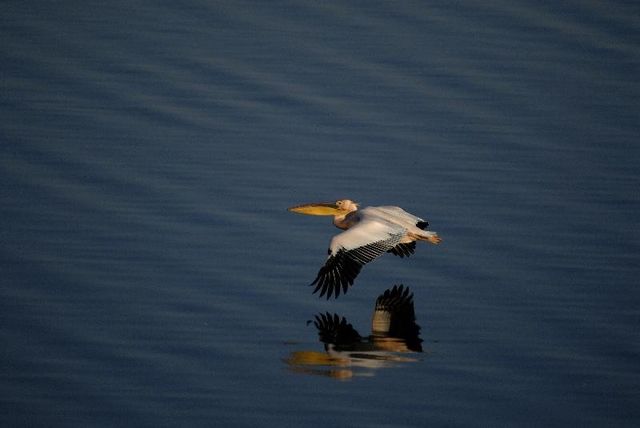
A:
{"x": 369, "y": 230}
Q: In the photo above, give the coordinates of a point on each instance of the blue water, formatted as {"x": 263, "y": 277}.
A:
{"x": 150, "y": 274}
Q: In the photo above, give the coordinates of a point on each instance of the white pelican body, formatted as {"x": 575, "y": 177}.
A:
{"x": 368, "y": 234}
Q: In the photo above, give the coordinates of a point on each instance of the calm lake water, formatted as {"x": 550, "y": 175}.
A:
{"x": 150, "y": 274}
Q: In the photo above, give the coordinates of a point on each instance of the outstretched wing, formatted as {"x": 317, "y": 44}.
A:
{"x": 352, "y": 249}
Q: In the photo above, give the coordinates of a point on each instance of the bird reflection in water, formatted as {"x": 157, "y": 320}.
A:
{"x": 394, "y": 335}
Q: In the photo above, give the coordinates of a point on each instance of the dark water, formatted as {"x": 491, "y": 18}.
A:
{"x": 151, "y": 276}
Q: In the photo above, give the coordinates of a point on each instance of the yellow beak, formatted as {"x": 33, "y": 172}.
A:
{"x": 328, "y": 208}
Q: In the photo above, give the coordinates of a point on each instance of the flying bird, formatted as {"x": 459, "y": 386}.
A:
{"x": 368, "y": 234}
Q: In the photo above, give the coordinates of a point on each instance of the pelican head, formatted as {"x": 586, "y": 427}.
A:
{"x": 337, "y": 208}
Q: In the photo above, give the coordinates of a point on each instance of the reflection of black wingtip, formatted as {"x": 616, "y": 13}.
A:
{"x": 397, "y": 304}
{"x": 393, "y": 318}
{"x": 396, "y": 299}
{"x": 335, "y": 329}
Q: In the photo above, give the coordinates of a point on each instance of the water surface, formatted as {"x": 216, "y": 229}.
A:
{"x": 151, "y": 275}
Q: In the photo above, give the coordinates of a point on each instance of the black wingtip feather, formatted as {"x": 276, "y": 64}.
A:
{"x": 403, "y": 250}
{"x": 342, "y": 268}
{"x": 336, "y": 275}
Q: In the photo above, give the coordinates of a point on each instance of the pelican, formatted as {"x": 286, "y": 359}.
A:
{"x": 368, "y": 234}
